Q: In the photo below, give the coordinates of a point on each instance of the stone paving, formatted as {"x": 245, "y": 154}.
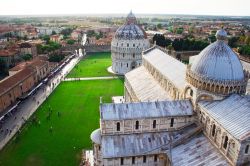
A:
{"x": 91, "y": 78}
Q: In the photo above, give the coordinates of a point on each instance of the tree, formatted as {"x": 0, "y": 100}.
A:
{"x": 3, "y": 67}
{"x": 247, "y": 40}
{"x": 232, "y": 42}
{"x": 179, "y": 31}
{"x": 56, "y": 58}
{"x": 71, "y": 42}
{"x": 244, "y": 50}
{"x": 27, "y": 57}
{"x": 66, "y": 32}
{"x": 159, "y": 40}
{"x": 53, "y": 33}
{"x": 46, "y": 38}
{"x": 159, "y": 26}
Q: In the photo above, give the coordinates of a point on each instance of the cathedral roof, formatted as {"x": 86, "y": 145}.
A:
{"x": 197, "y": 151}
{"x": 137, "y": 144}
{"x": 130, "y": 30}
{"x": 231, "y": 113}
{"x": 144, "y": 86}
{"x": 167, "y": 66}
{"x": 218, "y": 61}
{"x": 158, "y": 109}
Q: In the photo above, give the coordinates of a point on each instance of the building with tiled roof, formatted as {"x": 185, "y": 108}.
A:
{"x": 22, "y": 79}
{"x": 10, "y": 56}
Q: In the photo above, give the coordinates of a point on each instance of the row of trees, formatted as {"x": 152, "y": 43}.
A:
{"x": 56, "y": 58}
{"x": 180, "y": 44}
{"x": 244, "y": 50}
{"x": 49, "y": 47}
{"x": 92, "y": 33}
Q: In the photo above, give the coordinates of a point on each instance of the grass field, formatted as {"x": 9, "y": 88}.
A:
{"x": 78, "y": 107}
{"x": 94, "y": 65}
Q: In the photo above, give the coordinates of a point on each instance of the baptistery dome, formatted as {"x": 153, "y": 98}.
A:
{"x": 127, "y": 45}
{"x": 218, "y": 65}
{"x": 130, "y": 30}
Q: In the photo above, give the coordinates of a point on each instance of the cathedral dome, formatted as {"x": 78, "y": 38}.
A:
{"x": 130, "y": 30}
{"x": 218, "y": 61}
{"x": 217, "y": 69}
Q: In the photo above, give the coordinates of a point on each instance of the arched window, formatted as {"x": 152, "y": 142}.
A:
{"x": 127, "y": 44}
{"x": 172, "y": 122}
{"x": 133, "y": 160}
{"x": 247, "y": 148}
{"x": 191, "y": 92}
{"x": 154, "y": 124}
{"x": 225, "y": 142}
{"x": 155, "y": 158}
{"x": 137, "y": 125}
{"x": 213, "y": 130}
{"x": 133, "y": 55}
{"x": 134, "y": 45}
{"x": 123, "y": 55}
{"x": 144, "y": 159}
{"x": 127, "y": 64}
{"x": 121, "y": 161}
{"x": 118, "y": 126}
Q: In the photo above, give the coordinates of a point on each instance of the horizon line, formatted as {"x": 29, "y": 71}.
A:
{"x": 105, "y": 14}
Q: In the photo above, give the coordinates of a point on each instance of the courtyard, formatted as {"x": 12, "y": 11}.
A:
{"x": 60, "y": 129}
{"x": 94, "y": 65}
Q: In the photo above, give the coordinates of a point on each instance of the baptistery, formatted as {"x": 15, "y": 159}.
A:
{"x": 217, "y": 68}
{"x": 127, "y": 45}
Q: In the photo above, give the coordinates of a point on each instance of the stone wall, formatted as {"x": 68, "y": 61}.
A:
{"x": 127, "y": 54}
{"x": 147, "y": 160}
{"x": 233, "y": 149}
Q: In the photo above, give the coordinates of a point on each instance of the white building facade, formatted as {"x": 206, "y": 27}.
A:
{"x": 127, "y": 45}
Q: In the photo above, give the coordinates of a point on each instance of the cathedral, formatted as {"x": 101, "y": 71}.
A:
{"x": 127, "y": 45}
{"x": 176, "y": 114}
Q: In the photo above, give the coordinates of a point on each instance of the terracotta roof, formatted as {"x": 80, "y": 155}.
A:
{"x": 12, "y": 81}
{"x": 5, "y": 53}
{"x": 34, "y": 63}
{"x": 25, "y": 45}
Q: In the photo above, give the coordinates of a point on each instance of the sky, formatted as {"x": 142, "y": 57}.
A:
{"x": 193, "y": 7}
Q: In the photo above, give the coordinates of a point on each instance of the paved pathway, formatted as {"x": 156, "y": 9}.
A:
{"x": 91, "y": 78}
{"x": 26, "y": 108}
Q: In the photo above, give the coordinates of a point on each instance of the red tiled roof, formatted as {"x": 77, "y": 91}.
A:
{"x": 5, "y": 53}
{"x": 34, "y": 63}
{"x": 17, "y": 78}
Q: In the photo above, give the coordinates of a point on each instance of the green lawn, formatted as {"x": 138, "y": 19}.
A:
{"x": 78, "y": 105}
{"x": 94, "y": 65}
